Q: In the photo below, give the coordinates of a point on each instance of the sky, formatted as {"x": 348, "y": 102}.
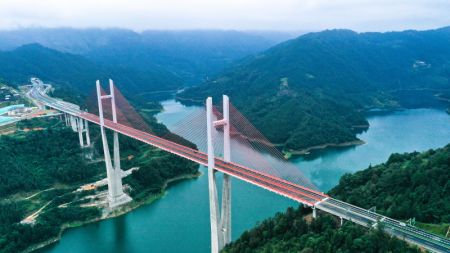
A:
{"x": 275, "y": 15}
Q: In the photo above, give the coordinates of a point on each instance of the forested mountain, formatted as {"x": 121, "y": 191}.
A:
{"x": 313, "y": 90}
{"x": 406, "y": 186}
{"x": 32, "y": 166}
{"x": 290, "y": 232}
{"x": 77, "y": 73}
{"x": 189, "y": 55}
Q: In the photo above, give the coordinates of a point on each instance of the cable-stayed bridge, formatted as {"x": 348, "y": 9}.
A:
{"x": 298, "y": 189}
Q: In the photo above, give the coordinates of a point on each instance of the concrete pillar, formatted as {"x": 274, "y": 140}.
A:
{"x": 314, "y": 212}
{"x": 116, "y": 196}
{"x": 66, "y": 122}
{"x": 116, "y": 152}
{"x": 216, "y": 243}
{"x": 83, "y": 128}
{"x": 80, "y": 131}
{"x": 342, "y": 221}
{"x": 105, "y": 144}
{"x": 225, "y": 217}
{"x": 220, "y": 221}
{"x": 116, "y": 135}
{"x": 73, "y": 123}
{"x": 88, "y": 138}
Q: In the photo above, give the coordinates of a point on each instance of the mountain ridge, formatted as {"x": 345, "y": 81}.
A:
{"x": 190, "y": 55}
{"x": 74, "y": 75}
{"x": 314, "y": 89}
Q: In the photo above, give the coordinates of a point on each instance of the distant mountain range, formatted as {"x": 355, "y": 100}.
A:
{"x": 189, "y": 56}
{"x": 311, "y": 91}
{"x": 76, "y": 75}
{"x": 314, "y": 90}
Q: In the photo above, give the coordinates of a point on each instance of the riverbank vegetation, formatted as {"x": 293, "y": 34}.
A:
{"x": 16, "y": 237}
{"x": 410, "y": 185}
{"x": 44, "y": 158}
{"x": 291, "y": 232}
{"x": 35, "y": 160}
{"x": 42, "y": 166}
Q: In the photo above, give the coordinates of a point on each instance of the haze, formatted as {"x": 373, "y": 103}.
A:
{"x": 282, "y": 15}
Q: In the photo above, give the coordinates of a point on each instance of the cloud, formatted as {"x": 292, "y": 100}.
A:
{"x": 360, "y": 15}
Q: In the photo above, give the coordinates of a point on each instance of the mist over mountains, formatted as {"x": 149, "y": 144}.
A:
{"x": 75, "y": 75}
{"x": 189, "y": 56}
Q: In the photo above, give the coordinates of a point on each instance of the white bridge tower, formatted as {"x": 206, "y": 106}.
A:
{"x": 220, "y": 219}
{"x": 116, "y": 196}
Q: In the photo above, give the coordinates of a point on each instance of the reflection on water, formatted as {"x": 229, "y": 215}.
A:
{"x": 120, "y": 234}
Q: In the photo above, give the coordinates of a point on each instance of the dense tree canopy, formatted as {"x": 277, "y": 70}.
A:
{"x": 313, "y": 90}
{"x": 37, "y": 159}
{"x": 406, "y": 186}
{"x": 50, "y": 155}
{"x": 289, "y": 232}
{"x": 15, "y": 237}
{"x": 75, "y": 73}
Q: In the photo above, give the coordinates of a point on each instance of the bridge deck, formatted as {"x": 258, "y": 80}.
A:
{"x": 277, "y": 185}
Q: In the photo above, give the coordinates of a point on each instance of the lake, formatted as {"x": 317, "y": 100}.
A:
{"x": 179, "y": 222}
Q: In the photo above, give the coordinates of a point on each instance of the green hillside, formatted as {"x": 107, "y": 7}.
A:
{"x": 314, "y": 90}
{"x": 191, "y": 56}
{"x": 406, "y": 186}
{"x": 35, "y": 175}
{"x": 77, "y": 73}
{"x": 290, "y": 232}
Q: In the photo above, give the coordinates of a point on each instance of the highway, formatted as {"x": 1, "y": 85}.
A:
{"x": 400, "y": 229}
{"x": 279, "y": 186}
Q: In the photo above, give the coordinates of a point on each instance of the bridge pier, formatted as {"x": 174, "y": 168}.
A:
{"x": 78, "y": 125}
{"x": 74, "y": 123}
{"x": 116, "y": 196}
{"x": 314, "y": 213}
{"x": 66, "y": 119}
{"x": 220, "y": 221}
{"x": 83, "y": 127}
{"x": 88, "y": 138}
{"x": 80, "y": 132}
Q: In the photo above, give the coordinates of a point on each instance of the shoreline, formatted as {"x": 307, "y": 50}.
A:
{"x": 322, "y": 147}
{"x": 112, "y": 214}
